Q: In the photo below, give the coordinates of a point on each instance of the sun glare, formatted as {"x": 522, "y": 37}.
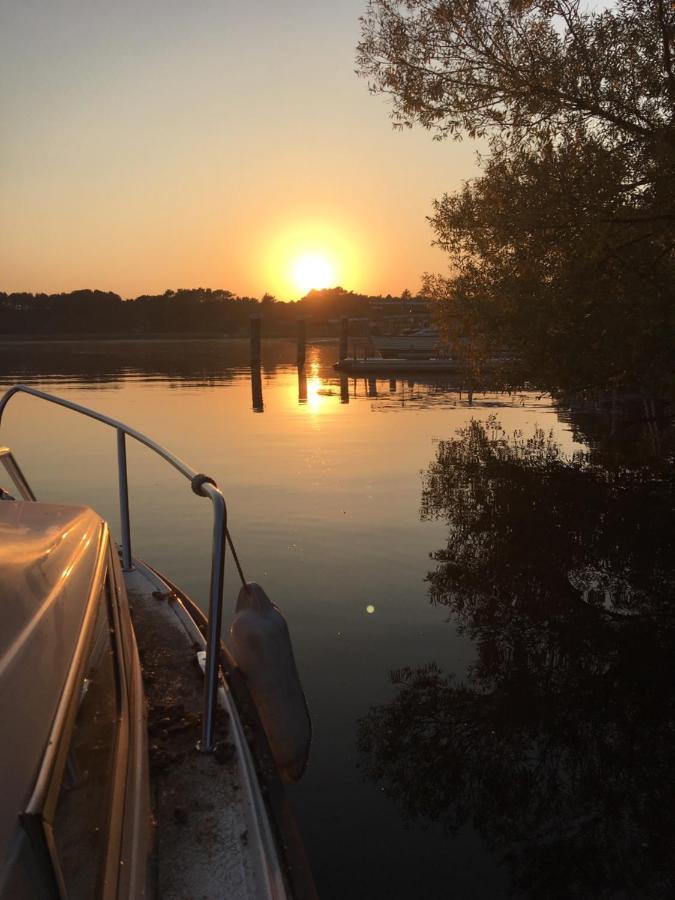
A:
{"x": 312, "y": 254}
{"x": 313, "y": 270}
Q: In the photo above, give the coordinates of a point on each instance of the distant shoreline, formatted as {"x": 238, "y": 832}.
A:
{"x": 157, "y": 338}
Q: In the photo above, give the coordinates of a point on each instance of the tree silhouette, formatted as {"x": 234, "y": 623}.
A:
{"x": 563, "y": 249}
{"x": 202, "y": 311}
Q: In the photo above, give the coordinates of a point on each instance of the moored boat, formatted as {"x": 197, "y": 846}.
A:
{"x": 145, "y": 761}
{"x": 423, "y": 343}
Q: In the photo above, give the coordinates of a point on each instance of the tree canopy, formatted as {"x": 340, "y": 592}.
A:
{"x": 564, "y": 248}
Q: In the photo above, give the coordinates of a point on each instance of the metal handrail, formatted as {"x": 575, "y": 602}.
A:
{"x": 202, "y": 485}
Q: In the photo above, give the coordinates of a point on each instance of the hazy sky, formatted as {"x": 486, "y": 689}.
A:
{"x": 149, "y": 144}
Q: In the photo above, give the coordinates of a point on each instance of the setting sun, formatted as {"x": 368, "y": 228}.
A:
{"x": 310, "y": 253}
{"x": 313, "y": 270}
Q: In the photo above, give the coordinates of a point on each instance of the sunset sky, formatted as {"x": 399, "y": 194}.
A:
{"x": 153, "y": 144}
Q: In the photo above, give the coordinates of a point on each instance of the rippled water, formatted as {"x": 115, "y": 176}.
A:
{"x": 324, "y": 480}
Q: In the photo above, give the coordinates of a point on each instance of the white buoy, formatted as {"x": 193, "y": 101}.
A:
{"x": 261, "y": 644}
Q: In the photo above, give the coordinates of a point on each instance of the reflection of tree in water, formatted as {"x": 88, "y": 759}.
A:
{"x": 559, "y": 747}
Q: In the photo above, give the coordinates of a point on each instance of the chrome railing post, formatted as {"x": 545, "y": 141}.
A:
{"x": 124, "y": 500}
{"x": 215, "y": 617}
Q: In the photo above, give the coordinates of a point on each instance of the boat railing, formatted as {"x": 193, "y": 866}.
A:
{"x": 201, "y": 484}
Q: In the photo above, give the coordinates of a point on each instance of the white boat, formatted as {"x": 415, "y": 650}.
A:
{"x": 424, "y": 343}
{"x": 139, "y": 758}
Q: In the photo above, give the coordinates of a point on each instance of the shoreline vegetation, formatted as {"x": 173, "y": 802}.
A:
{"x": 158, "y": 337}
{"x": 197, "y": 313}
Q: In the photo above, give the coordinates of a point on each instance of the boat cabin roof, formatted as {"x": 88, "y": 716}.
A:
{"x": 49, "y": 557}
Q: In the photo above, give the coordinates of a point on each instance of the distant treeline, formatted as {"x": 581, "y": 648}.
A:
{"x": 189, "y": 311}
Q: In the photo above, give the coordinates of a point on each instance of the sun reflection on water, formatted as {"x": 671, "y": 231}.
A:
{"x": 315, "y": 399}
{"x": 313, "y": 392}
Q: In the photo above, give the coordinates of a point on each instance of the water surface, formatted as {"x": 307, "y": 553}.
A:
{"x": 345, "y": 502}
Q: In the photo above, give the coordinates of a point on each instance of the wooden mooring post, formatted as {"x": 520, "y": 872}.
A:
{"x": 344, "y": 338}
{"x": 344, "y": 389}
{"x": 256, "y": 389}
{"x": 256, "y": 329}
{"x": 302, "y": 385}
{"x": 302, "y": 340}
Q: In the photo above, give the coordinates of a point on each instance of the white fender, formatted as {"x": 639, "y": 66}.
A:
{"x": 261, "y": 646}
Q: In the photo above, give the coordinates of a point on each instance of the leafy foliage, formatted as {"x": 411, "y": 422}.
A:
{"x": 564, "y": 248}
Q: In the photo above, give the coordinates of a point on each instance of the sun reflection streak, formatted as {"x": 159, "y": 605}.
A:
{"x": 313, "y": 392}
{"x": 314, "y": 399}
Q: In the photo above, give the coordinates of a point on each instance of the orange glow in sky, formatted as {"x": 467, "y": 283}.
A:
{"x": 100, "y": 188}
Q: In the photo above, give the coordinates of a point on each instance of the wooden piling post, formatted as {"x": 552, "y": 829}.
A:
{"x": 344, "y": 389}
{"x": 256, "y": 388}
{"x": 256, "y": 329}
{"x": 302, "y": 384}
{"x": 344, "y": 337}
{"x": 302, "y": 340}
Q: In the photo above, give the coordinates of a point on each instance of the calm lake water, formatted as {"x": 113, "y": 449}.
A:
{"x": 392, "y": 542}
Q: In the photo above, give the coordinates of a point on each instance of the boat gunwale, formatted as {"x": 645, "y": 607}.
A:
{"x": 290, "y": 846}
